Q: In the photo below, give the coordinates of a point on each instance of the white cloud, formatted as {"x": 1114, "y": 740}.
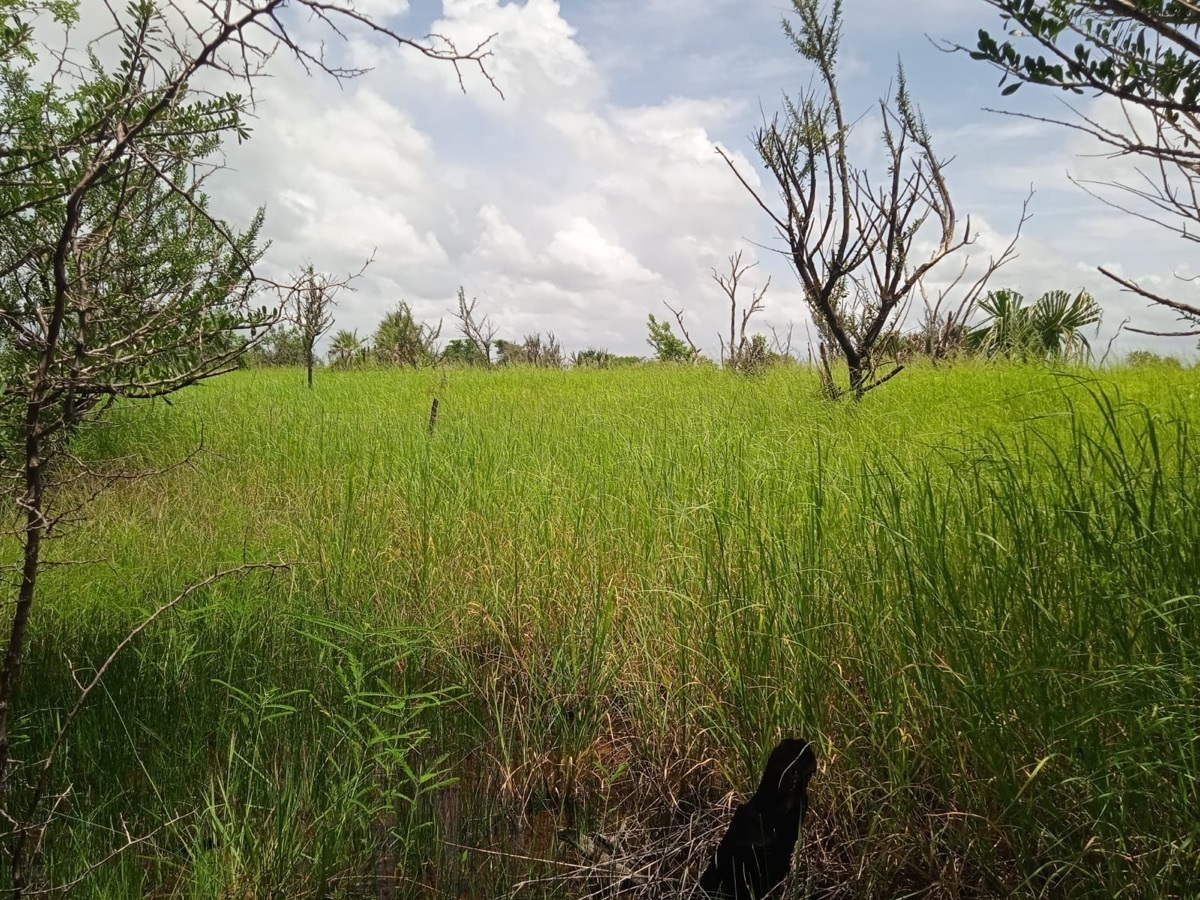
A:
{"x": 581, "y": 247}
{"x": 380, "y": 9}
{"x": 499, "y": 242}
{"x": 535, "y": 59}
{"x": 593, "y": 193}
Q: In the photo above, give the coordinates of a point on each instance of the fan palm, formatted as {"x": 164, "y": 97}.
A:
{"x": 1052, "y": 328}
{"x": 344, "y": 347}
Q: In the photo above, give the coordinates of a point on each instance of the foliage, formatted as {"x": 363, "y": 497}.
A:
{"x": 1052, "y": 328}
{"x": 16, "y": 30}
{"x": 464, "y": 352}
{"x": 115, "y": 279}
{"x": 149, "y": 296}
{"x": 668, "y": 347}
{"x": 593, "y": 358}
{"x": 1146, "y": 359}
{"x": 283, "y": 345}
{"x": 1142, "y": 51}
{"x": 752, "y": 357}
{"x": 400, "y": 340}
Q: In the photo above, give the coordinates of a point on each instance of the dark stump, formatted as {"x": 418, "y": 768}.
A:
{"x": 755, "y": 854}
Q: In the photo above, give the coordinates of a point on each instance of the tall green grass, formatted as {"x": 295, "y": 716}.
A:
{"x": 591, "y": 599}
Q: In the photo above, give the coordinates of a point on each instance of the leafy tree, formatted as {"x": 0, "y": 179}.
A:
{"x": 400, "y": 340}
{"x": 1052, "y": 328}
{"x": 117, "y": 282}
{"x": 464, "y": 352}
{"x": 1146, "y": 359}
{"x": 668, "y": 347}
{"x": 1145, "y": 54}
{"x": 280, "y": 346}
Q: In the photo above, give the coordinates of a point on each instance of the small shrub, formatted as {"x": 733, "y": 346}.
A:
{"x": 592, "y": 358}
{"x": 1146, "y": 359}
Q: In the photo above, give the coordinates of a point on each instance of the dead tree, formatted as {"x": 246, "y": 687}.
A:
{"x": 840, "y": 228}
{"x": 678, "y": 314}
{"x": 480, "y": 332}
{"x": 736, "y": 349}
{"x": 946, "y": 317}
{"x": 309, "y": 307}
{"x": 781, "y": 340}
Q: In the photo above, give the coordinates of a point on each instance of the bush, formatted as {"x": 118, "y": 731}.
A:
{"x": 463, "y": 352}
{"x": 532, "y": 351}
{"x": 592, "y": 358}
{"x": 1146, "y": 359}
{"x": 283, "y": 346}
{"x": 668, "y": 347}
{"x": 400, "y": 340}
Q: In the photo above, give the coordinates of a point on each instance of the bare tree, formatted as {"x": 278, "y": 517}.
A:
{"x": 781, "y": 340}
{"x": 840, "y": 228}
{"x": 480, "y": 332}
{"x": 736, "y": 350}
{"x": 309, "y": 307}
{"x": 678, "y": 314}
{"x": 1145, "y": 57}
{"x": 116, "y": 281}
{"x": 947, "y": 315}
{"x": 533, "y": 350}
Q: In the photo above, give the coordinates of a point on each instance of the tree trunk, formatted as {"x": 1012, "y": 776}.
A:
{"x": 35, "y": 527}
{"x": 858, "y": 376}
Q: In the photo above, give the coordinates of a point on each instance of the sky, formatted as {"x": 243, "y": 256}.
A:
{"x": 591, "y": 194}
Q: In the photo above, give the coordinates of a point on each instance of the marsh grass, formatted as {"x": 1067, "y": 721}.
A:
{"x": 594, "y": 600}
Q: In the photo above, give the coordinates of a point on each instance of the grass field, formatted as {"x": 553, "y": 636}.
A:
{"x": 595, "y": 600}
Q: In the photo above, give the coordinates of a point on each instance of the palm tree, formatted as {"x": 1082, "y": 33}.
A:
{"x": 344, "y": 348}
{"x": 1052, "y": 328}
{"x": 1060, "y": 320}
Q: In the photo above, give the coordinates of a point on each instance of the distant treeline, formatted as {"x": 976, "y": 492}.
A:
{"x": 1011, "y": 329}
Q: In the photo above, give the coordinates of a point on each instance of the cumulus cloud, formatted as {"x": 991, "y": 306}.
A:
{"x": 592, "y": 192}
{"x": 581, "y": 247}
{"x": 561, "y": 209}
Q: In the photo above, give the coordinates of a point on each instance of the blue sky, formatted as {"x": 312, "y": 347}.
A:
{"x": 592, "y": 193}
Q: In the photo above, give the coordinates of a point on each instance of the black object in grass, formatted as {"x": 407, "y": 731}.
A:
{"x": 755, "y": 854}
